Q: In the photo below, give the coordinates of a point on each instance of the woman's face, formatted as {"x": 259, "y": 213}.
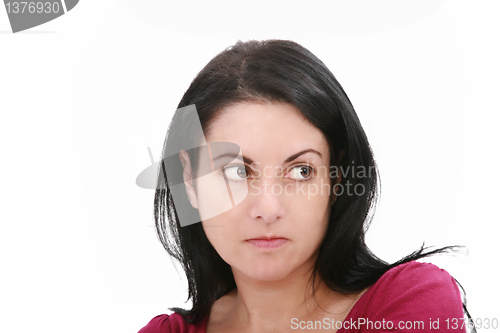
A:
{"x": 280, "y": 186}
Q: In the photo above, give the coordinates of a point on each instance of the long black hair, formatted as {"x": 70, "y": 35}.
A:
{"x": 279, "y": 71}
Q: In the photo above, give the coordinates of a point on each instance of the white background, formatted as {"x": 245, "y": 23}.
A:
{"x": 83, "y": 96}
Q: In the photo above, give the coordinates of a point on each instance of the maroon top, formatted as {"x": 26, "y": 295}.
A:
{"x": 412, "y": 297}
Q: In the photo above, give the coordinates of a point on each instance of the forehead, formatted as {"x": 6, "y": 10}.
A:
{"x": 276, "y": 129}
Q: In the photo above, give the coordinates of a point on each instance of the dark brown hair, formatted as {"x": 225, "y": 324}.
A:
{"x": 279, "y": 71}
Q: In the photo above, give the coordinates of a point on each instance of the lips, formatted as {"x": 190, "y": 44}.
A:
{"x": 263, "y": 242}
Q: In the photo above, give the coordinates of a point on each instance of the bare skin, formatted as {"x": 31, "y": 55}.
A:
{"x": 231, "y": 314}
{"x": 272, "y": 283}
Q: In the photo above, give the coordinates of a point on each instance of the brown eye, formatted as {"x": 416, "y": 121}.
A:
{"x": 301, "y": 172}
{"x": 304, "y": 172}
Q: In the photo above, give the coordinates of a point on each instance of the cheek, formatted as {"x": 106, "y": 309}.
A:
{"x": 224, "y": 243}
{"x": 222, "y": 233}
{"x": 212, "y": 196}
{"x": 314, "y": 230}
{"x": 311, "y": 216}
{"x": 215, "y": 196}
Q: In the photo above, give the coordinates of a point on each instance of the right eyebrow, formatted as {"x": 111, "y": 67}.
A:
{"x": 231, "y": 155}
{"x": 289, "y": 159}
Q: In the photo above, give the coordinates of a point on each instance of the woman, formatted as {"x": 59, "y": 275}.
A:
{"x": 284, "y": 182}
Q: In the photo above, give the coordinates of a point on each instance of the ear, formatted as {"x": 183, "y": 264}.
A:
{"x": 187, "y": 175}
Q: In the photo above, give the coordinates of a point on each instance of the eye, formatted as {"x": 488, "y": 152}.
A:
{"x": 235, "y": 172}
{"x": 301, "y": 172}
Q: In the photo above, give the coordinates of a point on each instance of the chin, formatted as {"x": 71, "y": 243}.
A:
{"x": 268, "y": 276}
{"x": 267, "y": 272}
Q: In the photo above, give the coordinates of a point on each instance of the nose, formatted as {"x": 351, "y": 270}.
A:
{"x": 266, "y": 203}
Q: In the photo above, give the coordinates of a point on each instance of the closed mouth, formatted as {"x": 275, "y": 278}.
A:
{"x": 267, "y": 242}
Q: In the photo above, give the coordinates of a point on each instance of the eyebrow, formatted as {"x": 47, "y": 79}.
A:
{"x": 289, "y": 159}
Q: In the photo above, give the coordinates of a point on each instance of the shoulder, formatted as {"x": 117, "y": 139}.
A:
{"x": 172, "y": 323}
{"x": 413, "y": 276}
{"x": 415, "y": 292}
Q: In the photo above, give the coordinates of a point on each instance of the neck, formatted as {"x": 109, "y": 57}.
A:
{"x": 270, "y": 306}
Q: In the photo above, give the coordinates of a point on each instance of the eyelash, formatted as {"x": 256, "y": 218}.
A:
{"x": 312, "y": 172}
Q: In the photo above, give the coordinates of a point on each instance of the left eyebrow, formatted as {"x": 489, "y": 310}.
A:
{"x": 288, "y": 160}
{"x": 294, "y": 156}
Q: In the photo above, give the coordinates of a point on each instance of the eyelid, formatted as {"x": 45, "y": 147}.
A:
{"x": 251, "y": 171}
{"x": 310, "y": 167}
{"x": 235, "y": 165}
{"x": 232, "y": 165}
